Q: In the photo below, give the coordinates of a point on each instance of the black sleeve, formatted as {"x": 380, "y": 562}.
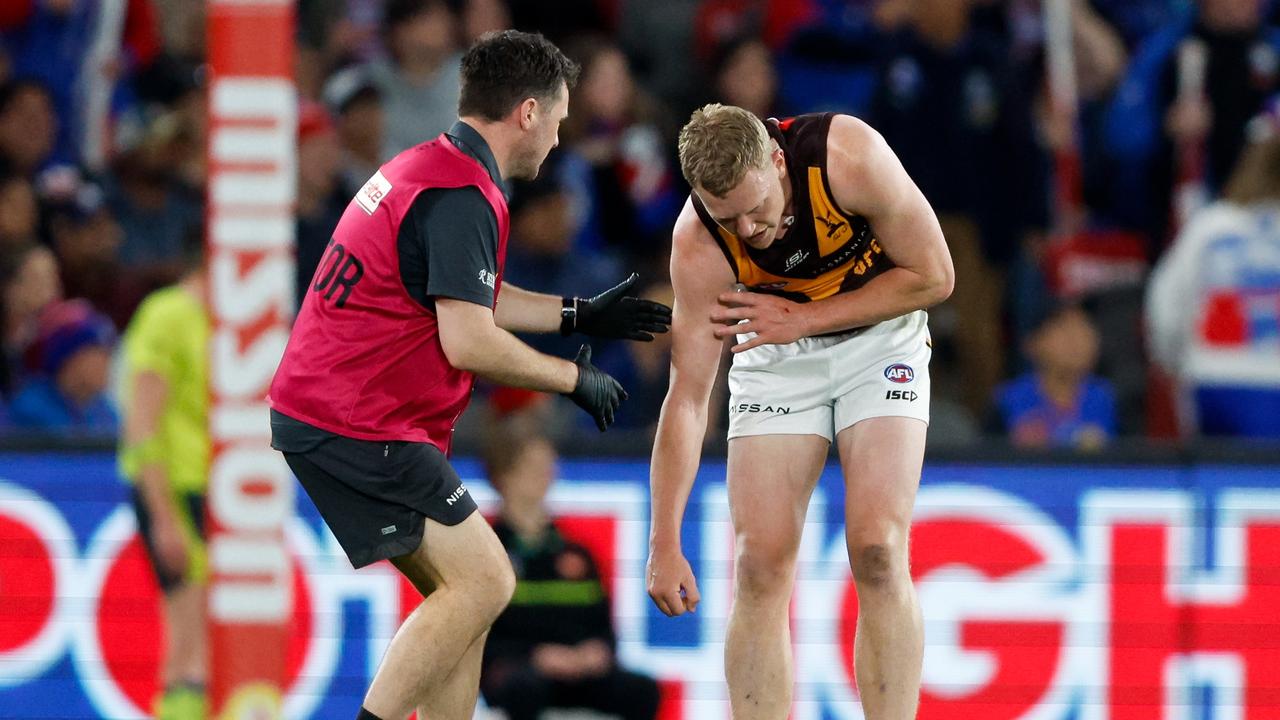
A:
{"x": 448, "y": 246}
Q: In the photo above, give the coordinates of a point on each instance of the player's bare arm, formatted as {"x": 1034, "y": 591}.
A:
{"x": 698, "y": 274}
{"x": 473, "y": 342}
{"x": 613, "y": 313}
{"x": 866, "y": 179}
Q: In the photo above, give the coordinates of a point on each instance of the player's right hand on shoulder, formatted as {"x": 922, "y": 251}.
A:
{"x": 671, "y": 583}
{"x": 596, "y": 392}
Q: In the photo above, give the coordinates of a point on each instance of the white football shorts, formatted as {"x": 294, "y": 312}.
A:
{"x": 822, "y": 385}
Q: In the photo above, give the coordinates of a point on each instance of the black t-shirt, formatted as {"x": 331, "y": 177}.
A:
{"x": 448, "y": 247}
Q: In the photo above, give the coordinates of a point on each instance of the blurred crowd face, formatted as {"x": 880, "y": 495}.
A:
{"x": 88, "y": 242}
{"x": 943, "y": 19}
{"x": 526, "y": 484}
{"x": 18, "y": 210}
{"x": 541, "y": 136}
{"x": 607, "y": 87}
{"x": 543, "y": 226}
{"x": 1067, "y": 345}
{"x": 35, "y": 285}
{"x": 748, "y": 78}
{"x": 425, "y": 38}
{"x": 1231, "y": 15}
{"x": 60, "y": 7}
{"x": 482, "y": 16}
{"x": 84, "y": 375}
{"x": 753, "y": 209}
{"x": 319, "y": 162}
{"x": 28, "y": 128}
{"x": 360, "y": 129}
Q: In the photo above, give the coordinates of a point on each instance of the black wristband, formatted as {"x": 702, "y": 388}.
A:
{"x": 568, "y": 315}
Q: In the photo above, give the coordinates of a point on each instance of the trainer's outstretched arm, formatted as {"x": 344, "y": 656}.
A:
{"x": 473, "y": 342}
{"x": 698, "y": 274}
{"x": 520, "y": 310}
{"x": 613, "y": 313}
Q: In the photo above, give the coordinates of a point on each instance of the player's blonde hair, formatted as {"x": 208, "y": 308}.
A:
{"x": 719, "y": 145}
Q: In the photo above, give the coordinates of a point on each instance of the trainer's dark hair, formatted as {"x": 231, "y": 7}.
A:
{"x": 502, "y": 69}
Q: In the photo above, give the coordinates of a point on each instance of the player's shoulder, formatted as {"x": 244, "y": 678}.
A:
{"x": 857, "y": 160}
{"x": 849, "y": 141}
{"x": 688, "y": 228}
{"x": 696, "y": 259}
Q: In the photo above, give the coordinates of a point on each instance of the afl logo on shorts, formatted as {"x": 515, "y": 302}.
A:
{"x": 900, "y": 373}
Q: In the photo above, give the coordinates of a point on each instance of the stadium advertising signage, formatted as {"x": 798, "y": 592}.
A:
{"x": 252, "y": 188}
{"x": 1048, "y": 592}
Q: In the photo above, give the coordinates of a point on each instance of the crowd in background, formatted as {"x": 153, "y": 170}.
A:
{"x": 1056, "y": 215}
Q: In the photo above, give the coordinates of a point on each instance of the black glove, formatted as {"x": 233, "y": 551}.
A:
{"x": 596, "y": 392}
{"x": 614, "y": 314}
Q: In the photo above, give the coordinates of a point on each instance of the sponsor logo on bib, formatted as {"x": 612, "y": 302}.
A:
{"x": 373, "y": 192}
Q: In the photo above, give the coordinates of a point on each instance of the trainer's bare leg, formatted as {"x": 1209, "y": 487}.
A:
{"x": 457, "y": 697}
{"x": 881, "y": 458}
{"x": 770, "y": 480}
{"x": 469, "y": 581}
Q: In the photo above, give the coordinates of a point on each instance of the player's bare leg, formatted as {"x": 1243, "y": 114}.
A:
{"x": 770, "y": 480}
{"x": 882, "y": 458}
{"x": 470, "y": 581}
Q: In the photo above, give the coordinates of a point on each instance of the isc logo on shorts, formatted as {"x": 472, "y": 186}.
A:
{"x": 899, "y": 373}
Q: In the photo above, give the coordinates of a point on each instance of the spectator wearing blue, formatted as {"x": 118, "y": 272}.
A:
{"x": 69, "y": 397}
{"x": 148, "y": 196}
{"x": 644, "y": 368}
{"x": 959, "y": 115}
{"x": 548, "y": 252}
{"x": 87, "y": 239}
{"x": 618, "y": 144}
{"x": 1137, "y": 20}
{"x": 1213, "y": 304}
{"x": 1060, "y": 402}
{"x": 1146, "y": 122}
{"x": 80, "y": 55}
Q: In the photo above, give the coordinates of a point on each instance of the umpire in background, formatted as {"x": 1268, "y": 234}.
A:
{"x": 401, "y": 316}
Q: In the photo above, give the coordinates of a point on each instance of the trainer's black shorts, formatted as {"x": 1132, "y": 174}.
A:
{"x": 375, "y": 495}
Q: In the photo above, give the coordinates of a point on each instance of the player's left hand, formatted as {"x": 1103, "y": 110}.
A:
{"x": 774, "y": 320}
{"x": 615, "y": 314}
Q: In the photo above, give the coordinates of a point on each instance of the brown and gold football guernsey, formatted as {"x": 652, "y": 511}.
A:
{"x": 826, "y": 250}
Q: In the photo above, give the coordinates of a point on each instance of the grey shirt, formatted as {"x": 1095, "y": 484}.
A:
{"x": 415, "y": 113}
